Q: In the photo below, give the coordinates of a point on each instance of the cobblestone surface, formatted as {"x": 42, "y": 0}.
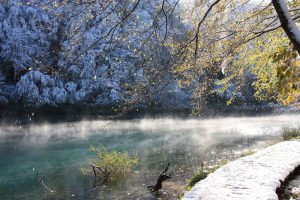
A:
{"x": 252, "y": 177}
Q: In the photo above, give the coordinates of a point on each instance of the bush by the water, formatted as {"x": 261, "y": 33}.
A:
{"x": 118, "y": 164}
{"x": 247, "y": 152}
{"x": 289, "y": 133}
{"x": 203, "y": 172}
{"x": 200, "y": 175}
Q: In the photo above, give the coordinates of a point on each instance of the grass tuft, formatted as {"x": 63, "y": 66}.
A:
{"x": 200, "y": 175}
{"x": 203, "y": 173}
{"x": 289, "y": 133}
{"x": 248, "y": 152}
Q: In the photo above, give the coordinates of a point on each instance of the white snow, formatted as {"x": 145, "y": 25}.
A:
{"x": 292, "y": 25}
{"x": 71, "y": 87}
{"x": 36, "y": 88}
{"x": 33, "y": 39}
{"x": 252, "y": 177}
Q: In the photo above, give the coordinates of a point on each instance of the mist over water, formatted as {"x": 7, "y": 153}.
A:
{"x": 245, "y": 125}
{"x": 57, "y": 151}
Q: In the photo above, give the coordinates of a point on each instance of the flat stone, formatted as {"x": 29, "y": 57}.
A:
{"x": 253, "y": 177}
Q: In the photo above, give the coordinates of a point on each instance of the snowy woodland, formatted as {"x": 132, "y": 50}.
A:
{"x": 50, "y": 54}
{"x": 107, "y": 54}
{"x": 149, "y": 99}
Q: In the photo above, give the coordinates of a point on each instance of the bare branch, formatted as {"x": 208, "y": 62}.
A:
{"x": 110, "y": 31}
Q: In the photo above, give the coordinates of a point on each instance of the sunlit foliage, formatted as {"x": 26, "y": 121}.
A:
{"x": 246, "y": 43}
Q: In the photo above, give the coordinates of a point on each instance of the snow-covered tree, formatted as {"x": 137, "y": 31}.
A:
{"x": 24, "y": 38}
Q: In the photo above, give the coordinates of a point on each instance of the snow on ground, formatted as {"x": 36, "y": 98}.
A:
{"x": 252, "y": 177}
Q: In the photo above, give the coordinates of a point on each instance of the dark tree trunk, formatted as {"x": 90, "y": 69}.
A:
{"x": 162, "y": 177}
{"x": 287, "y": 23}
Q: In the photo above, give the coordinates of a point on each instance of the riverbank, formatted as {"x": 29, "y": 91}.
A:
{"x": 253, "y": 177}
{"x": 290, "y": 188}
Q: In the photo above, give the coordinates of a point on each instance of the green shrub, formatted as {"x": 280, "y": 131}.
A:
{"x": 289, "y": 133}
{"x": 180, "y": 196}
{"x": 200, "y": 175}
{"x": 116, "y": 163}
{"x": 248, "y": 152}
{"x": 203, "y": 173}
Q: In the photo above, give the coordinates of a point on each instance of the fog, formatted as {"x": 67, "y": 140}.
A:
{"x": 244, "y": 126}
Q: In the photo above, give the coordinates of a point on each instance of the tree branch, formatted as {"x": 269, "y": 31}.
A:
{"x": 287, "y": 23}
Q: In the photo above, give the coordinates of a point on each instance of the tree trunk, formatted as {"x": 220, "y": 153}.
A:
{"x": 287, "y": 23}
{"x": 162, "y": 177}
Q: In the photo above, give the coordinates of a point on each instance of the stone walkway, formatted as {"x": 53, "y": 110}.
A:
{"x": 252, "y": 177}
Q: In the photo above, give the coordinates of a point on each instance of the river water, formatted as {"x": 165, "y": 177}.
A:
{"x": 38, "y": 158}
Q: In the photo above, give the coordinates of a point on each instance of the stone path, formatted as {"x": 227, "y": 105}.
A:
{"x": 252, "y": 177}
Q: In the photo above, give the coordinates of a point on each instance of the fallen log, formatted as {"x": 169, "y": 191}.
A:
{"x": 162, "y": 177}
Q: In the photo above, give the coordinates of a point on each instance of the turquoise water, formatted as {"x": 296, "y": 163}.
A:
{"x": 54, "y": 153}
